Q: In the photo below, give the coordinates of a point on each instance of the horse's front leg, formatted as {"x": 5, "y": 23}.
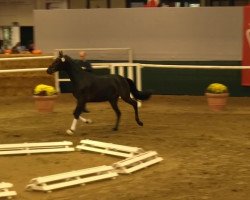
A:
{"x": 77, "y": 113}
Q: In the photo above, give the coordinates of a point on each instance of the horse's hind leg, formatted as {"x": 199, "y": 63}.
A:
{"x": 132, "y": 102}
{"x": 85, "y": 120}
{"x": 114, "y": 105}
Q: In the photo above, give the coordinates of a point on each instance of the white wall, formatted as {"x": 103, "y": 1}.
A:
{"x": 22, "y": 10}
{"x": 154, "y": 34}
{"x": 12, "y": 11}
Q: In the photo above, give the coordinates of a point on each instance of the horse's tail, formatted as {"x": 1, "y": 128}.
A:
{"x": 140, "y": 95}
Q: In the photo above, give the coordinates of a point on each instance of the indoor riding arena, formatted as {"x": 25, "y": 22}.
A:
{"x": 199, "y": 153}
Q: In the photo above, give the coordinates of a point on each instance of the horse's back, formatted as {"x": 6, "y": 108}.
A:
{"x": 105, "y": 87}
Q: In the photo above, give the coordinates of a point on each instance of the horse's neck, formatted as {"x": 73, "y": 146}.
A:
{"x": 76, "y": 74}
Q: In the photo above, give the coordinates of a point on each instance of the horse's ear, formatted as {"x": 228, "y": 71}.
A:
{"x": 61, "y": 56}
{"x": 60, "y": 53}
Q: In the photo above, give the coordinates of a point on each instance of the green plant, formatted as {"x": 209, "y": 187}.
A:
{"x": 217, "y": 88}
{"x": 44, "y": 90}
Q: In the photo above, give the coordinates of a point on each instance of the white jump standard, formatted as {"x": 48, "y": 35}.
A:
{"x": 137, "y": 162}
{"x": 79, "y": 177}
{"x": 108, "y": 148}
{"x": 29, "y": 148}
{"x": 5, "y": 192}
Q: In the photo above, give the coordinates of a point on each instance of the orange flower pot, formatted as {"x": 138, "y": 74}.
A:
{"x": 45, "y": 104}
{"x": 217, "y": 102}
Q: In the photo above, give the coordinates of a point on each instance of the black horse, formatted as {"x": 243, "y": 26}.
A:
{"x": 89, "y": 87}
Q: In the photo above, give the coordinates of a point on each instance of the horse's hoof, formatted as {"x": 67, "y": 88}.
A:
{"x": 140, "y": 123}
{"x": 70, "y": 132}
{"x": 89, "y": 121}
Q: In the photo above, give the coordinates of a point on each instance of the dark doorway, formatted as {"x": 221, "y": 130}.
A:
{"x": 26, "y": 35}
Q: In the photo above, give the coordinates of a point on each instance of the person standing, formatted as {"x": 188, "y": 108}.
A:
{"x": 84, "y": 63}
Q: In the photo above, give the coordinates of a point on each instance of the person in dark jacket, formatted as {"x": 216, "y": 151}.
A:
{"x": 84, "y": 63}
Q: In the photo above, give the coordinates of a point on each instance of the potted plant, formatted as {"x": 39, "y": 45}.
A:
{"x": 44, "y": 96}
{"x": 217, "y": 95}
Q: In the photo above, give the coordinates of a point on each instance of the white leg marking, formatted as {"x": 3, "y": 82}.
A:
{"x": 87, "y": 121}
{"x": 72, "y": 128}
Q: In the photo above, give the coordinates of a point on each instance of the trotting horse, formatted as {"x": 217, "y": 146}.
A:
{"x": 89, "y": 87}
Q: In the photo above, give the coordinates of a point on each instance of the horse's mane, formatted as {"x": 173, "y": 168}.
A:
{"x": 68, "y": 58}
{"x": 74, "y": 63}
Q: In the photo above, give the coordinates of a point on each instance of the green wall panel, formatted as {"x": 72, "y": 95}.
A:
{"x": 183, "y": 81}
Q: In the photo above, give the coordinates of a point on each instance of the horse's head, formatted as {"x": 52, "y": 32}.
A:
{"x": 58, "y": 64}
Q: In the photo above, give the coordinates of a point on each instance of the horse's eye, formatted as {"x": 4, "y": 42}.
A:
{"x": 63, "y": 59}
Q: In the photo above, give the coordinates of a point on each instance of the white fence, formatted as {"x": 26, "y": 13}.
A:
{"x": 118, "y": 68}
{"x": 110, "y": 66}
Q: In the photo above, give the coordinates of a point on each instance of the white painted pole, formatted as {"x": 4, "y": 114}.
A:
{"x": 112, "y": 69}
{"x": 138, "y": 77}
{"x": 26, "y": 58}
{"x": 22, "y": 70}
{"x": 121, "y": 71}
{"x": 130, "y": 72}
{"x": 194, "y": 66}
{"x": 130, "y": 55}
{"x": 92, "y": 49}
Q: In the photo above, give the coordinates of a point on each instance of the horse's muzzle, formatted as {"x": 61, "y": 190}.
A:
{"x": 50, "y": 70}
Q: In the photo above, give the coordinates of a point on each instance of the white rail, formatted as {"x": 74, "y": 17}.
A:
{"x": 121, "y": 68}
{"x": 22, "y": 70}
{"x": 194, "y": 66}
{"x": 129, "y": 50}
{"x": 26, "y": 58}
